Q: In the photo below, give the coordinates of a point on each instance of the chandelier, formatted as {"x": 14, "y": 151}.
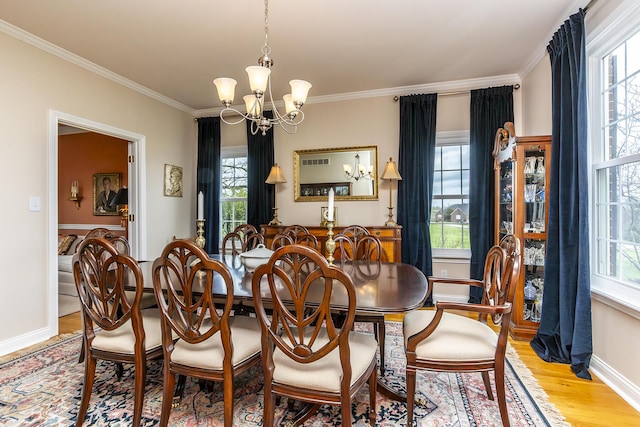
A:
{"x": 260, "y": 82}
{"x": 359, "y": 170}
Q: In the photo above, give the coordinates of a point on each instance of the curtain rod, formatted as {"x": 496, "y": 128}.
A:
{"x": 589, "y": 5}
{"x": 460, "y": 92}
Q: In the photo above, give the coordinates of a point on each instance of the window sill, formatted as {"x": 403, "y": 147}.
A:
{"x": 616, "y": 295}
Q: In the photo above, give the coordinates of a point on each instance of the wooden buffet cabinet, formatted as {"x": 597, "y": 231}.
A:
{"x": 521, "y": 179}
{"x": 390, "y": 237}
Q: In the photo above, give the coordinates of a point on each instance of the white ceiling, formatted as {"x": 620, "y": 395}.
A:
{"x": 176, "y": 48}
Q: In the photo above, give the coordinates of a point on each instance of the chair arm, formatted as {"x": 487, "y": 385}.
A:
{"x": 476, "y": 308}
{"x": 454, "y": 281}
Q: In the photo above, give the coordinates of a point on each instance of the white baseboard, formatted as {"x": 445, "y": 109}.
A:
{"x": 22, "y": 341}
{"x": 618, "y": 383}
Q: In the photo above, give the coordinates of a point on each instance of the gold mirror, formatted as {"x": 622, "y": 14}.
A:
{"x": 352, "y": 172}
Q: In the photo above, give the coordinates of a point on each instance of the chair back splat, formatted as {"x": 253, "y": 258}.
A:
{"x": 305, "y": 355}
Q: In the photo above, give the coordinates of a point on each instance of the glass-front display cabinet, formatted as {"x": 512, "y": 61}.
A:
{"x": 521, "y": 179}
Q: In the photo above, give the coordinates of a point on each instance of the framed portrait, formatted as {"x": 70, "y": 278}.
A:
{"x": 323, "y": 218}
{"x": 172, "y": 181}
{"x": 105, "y": 188}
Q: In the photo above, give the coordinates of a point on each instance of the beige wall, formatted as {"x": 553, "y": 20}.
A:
{"x": 32, "y": 84}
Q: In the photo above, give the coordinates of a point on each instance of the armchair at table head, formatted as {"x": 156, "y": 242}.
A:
{"x": 305, "y": 355}
{"x": 438, "y": 340}
{"x": 211, "y": 344}
{"x": 126, "y": 334}
{"x": 243, "y": 238}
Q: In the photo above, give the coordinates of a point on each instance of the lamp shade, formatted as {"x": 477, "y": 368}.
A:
{"x": 122, "y": 198}
{"x": 391, "y": 171}
{"x": 275, "y": 176}
{"x": 226, "y": 89}
{"x": 253, "y": 105}
{"x": 258, "y": 78}
{"x": 299, "y": 90}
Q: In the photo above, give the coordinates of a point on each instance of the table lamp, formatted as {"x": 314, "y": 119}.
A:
{"x": 391, "y": 174}
{"x": 275, "y": 177}
{"x": 122, "y": 199}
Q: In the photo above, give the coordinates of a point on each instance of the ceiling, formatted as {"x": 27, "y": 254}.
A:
{"x": 176, "y": 48}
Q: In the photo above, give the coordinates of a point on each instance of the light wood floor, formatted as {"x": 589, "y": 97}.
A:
{"x": 583, "y": 403}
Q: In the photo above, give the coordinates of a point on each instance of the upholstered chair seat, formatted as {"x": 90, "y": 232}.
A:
{"x": 456, "y": 338}
{"x": 122, "y": 340}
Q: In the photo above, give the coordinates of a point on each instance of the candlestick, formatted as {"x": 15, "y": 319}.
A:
{"x": 330, "y": 244}
{"x": 200, "y": 206}
{"x": 200, "y": 240}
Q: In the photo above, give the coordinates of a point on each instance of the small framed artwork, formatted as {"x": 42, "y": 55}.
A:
{"x": 323, "y": 216}
{"x": 105, "y": 188}
{"x": 172, "y": 181}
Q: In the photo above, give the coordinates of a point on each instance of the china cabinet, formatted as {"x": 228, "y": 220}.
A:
{"x": 521, "y": 179}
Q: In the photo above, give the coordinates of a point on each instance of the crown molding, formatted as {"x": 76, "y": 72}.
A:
{"x": 65, "y": 55}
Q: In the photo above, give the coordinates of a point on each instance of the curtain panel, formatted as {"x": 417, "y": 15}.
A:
{"x": 415, "y": 190}
{"x": 260, "y": 158}
{"x": 208, "y": 179}
{"x": 490, "y": 109}
{"x": 565, "y": 334}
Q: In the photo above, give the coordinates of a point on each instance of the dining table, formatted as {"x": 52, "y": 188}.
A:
{"x": 381, "y": 287}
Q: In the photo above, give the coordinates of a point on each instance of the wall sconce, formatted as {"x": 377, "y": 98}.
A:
{"x": 275, "y": 177}
{"x": 391, "y": 174}
{"x": 75, "y": 193}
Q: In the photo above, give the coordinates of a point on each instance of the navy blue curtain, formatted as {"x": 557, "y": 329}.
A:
{"x": 260, "y": 196}
{"x": 564, "y": 334}
{"x": 209, "y": 179}
{"x": 490, "y": 109}
{"x": 415, "y": 164}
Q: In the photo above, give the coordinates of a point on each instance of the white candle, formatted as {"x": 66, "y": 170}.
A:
{"x": 200, "y": 206}
{"x": 330, "y": 208}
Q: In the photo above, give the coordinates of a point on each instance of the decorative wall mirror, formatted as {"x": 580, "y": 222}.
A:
{"x": 352, "y": 172}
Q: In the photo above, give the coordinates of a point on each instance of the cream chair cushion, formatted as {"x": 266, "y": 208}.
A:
{"x": 325, "y": 374}
{"x": 245, "y": 338}
{"x": 455, "y": 338}
{"x": 122, "y": 340}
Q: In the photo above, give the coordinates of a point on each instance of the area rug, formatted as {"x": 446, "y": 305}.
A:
{"x": 43, "y": 388}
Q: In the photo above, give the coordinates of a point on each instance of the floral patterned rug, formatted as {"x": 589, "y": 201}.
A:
{"x": 43, "y": 388}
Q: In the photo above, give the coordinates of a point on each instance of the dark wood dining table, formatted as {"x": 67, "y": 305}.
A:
{"x": 381, "y": 287}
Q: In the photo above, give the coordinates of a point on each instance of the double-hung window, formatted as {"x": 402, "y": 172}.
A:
{"x": 615, "y": 156}
{"x": 449, "y": 223}
{"x": 233, "y": 194}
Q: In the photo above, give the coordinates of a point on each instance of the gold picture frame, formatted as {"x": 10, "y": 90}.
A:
{"x": 172, "y": 181}
{"x": 105, "y": 188}
{"x": 323, "y": 218}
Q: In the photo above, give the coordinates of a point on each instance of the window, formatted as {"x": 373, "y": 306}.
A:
{"x": 233, "y": 195}
{"x": 615, "y": 138}
{"x": 449, "y": 222}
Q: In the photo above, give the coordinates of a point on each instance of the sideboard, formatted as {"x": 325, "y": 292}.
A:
{"x": 390, "y": 237}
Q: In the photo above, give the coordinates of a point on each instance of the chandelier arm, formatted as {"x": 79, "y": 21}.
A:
{"x": 234, "y": 112}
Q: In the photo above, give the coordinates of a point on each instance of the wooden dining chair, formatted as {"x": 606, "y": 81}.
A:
{"x": 355, "y": 243}
{"x": 115, "y": 328}
{"x": 243, "y": 238}
{"x": 212, "y": 345}
{"x": 439, "y": 340}
{"x": 300, "y": 235}
{"x": 305, "y": 356}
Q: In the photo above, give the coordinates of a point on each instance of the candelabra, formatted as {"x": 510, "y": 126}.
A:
{"x": 330, "y": 244}
{"x": 200, "y": 240}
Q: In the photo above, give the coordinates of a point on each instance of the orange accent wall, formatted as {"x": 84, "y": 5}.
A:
{"x": 79, "y": 157}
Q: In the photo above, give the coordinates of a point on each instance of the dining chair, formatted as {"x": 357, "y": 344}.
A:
{"x": 243, "y": 238}
{"x": 211, "y": 344}
{"x": 301, "y": 236}
{"x": 355, "y": 243}
{"x": 439, "y": 340}
{"x": 305, "y": 356}
{"x": 115, "y": 328}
